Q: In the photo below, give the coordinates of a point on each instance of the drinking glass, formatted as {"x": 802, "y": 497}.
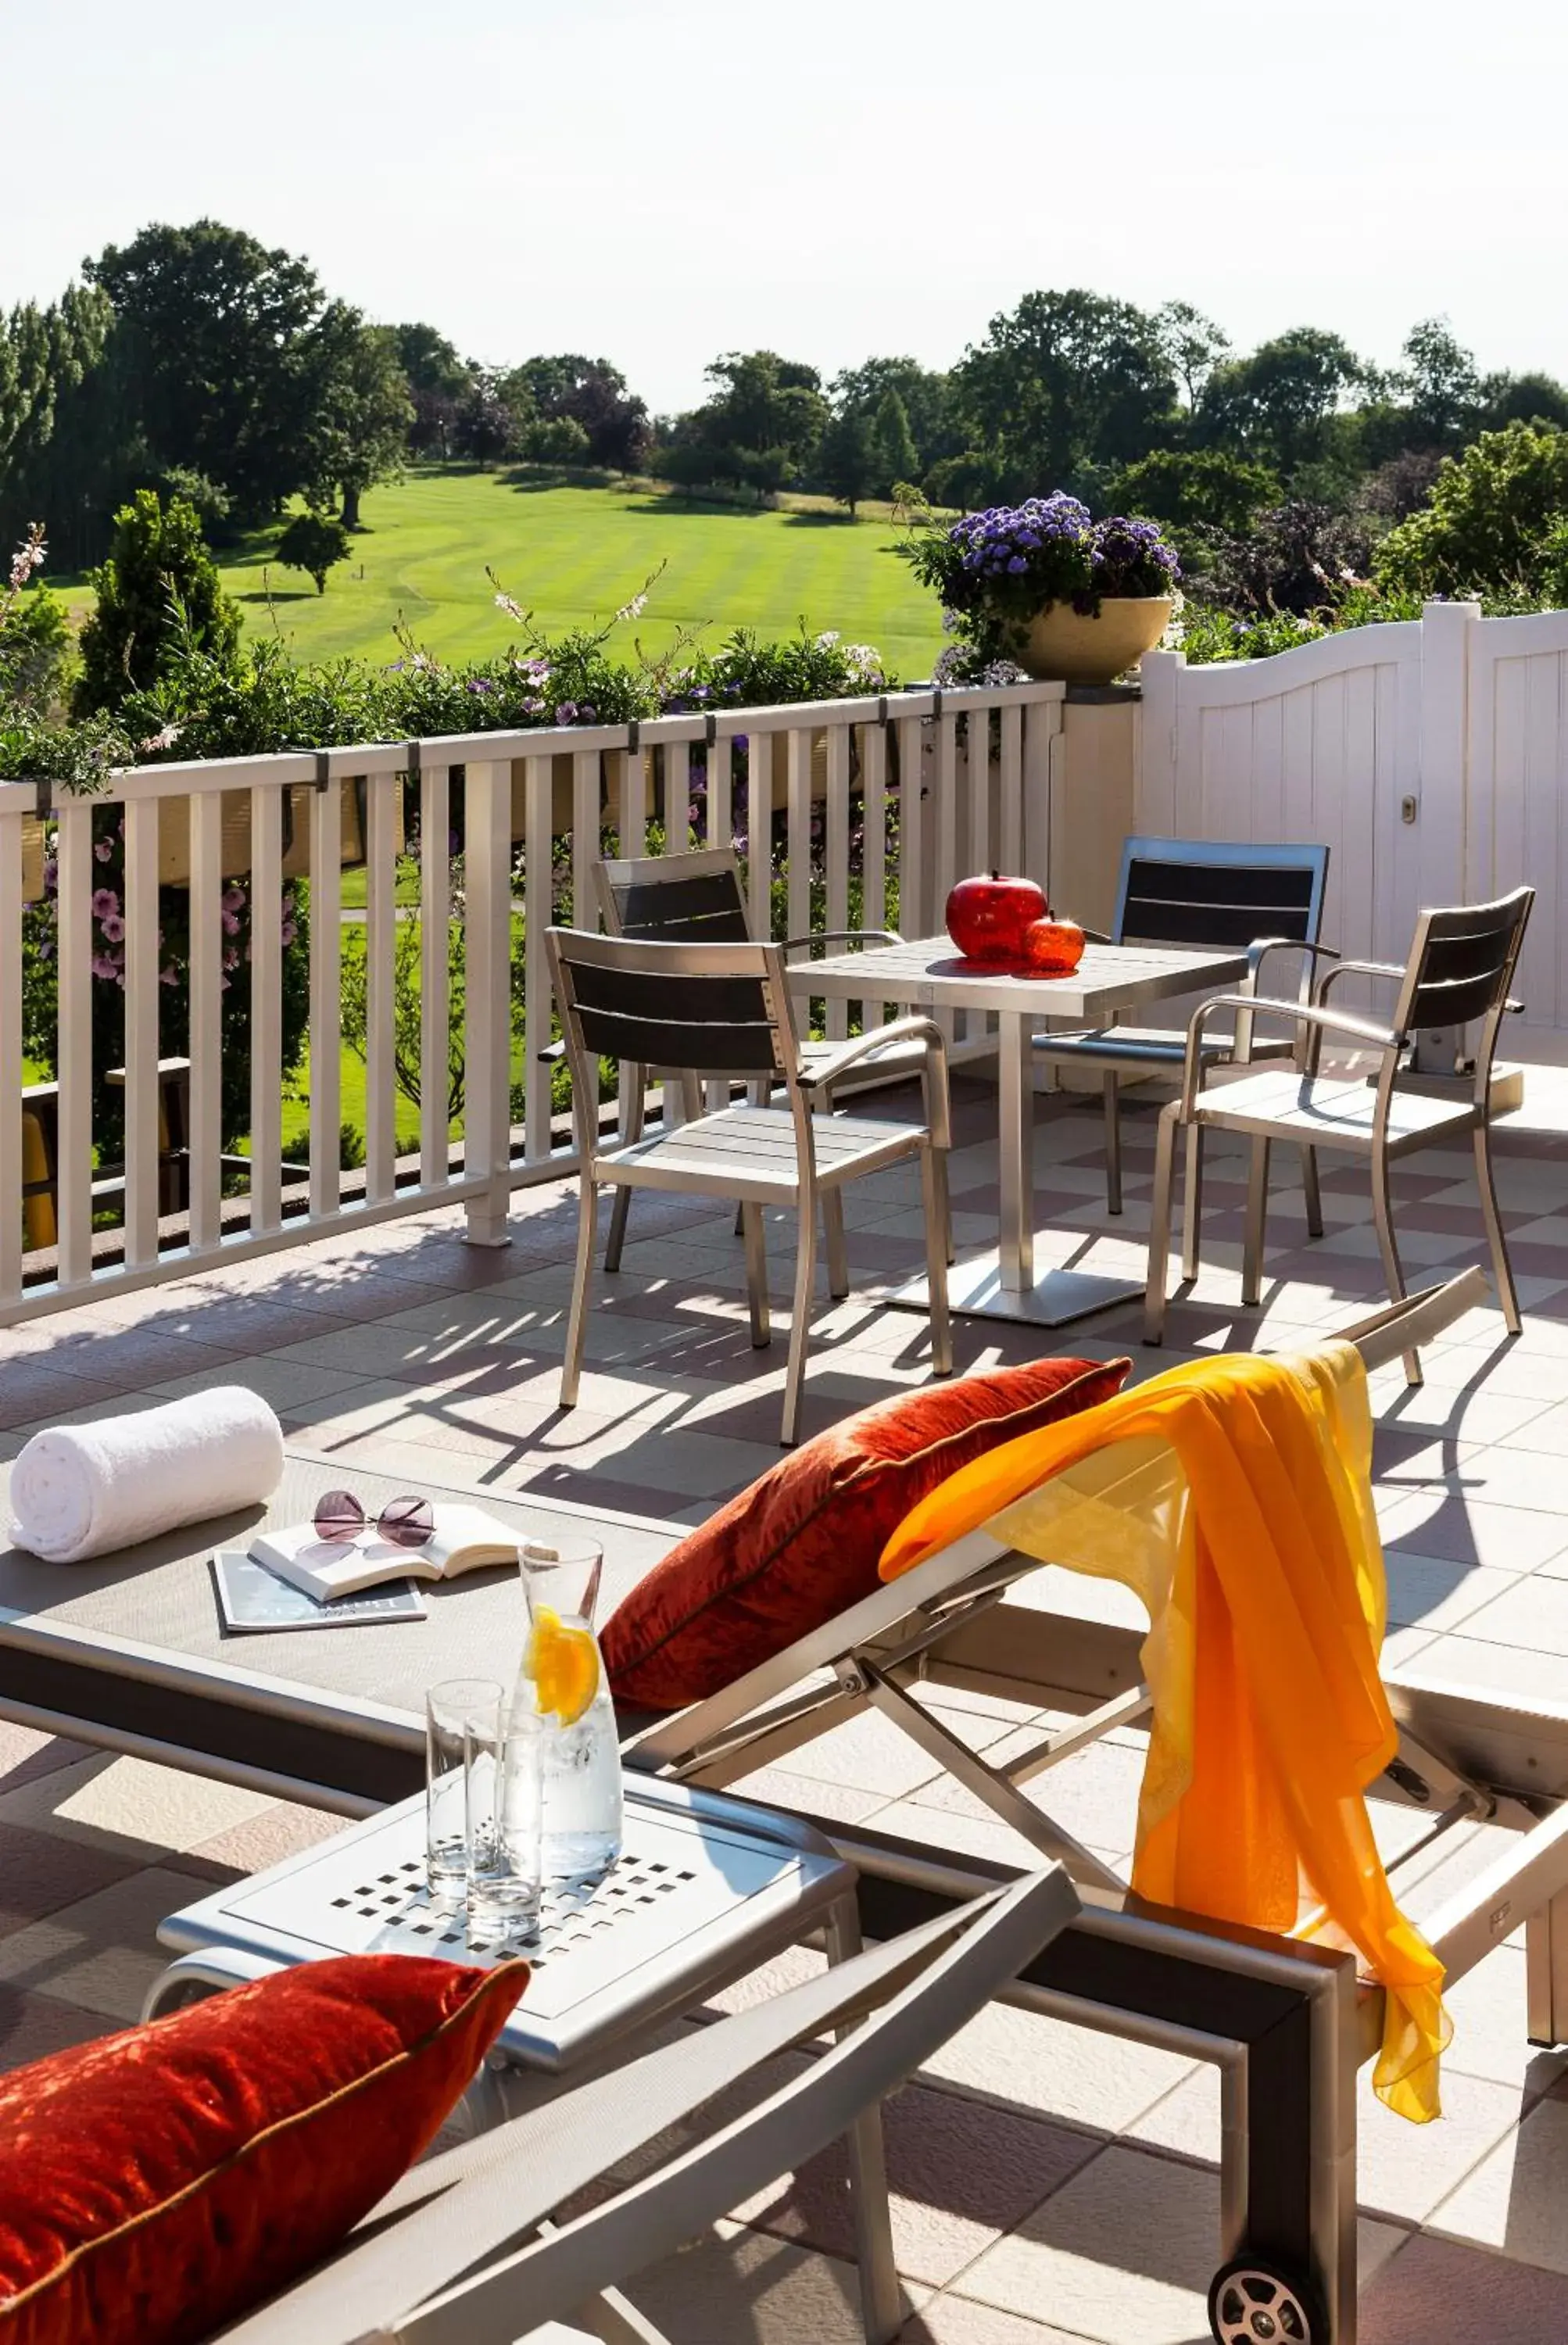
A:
{"x": 563, "y": 1688}
{"x": 448, "y": 1708}
{"x": 503, "y": 1784}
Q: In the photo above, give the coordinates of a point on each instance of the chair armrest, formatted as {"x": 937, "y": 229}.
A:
{"x": 1354, "y": 968}
{"x": 1259, "y": 949}
{"x": 552, "y": 1054}
{"x": 825, "y": 1071}
{"x": 841, "y": 936}
{"x": 1334, "y": 1022}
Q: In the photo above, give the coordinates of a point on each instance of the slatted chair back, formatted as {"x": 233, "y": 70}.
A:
{"x": 1460, "y": 969}
{"x": 717, "y": 1009}
{"x": 695, "y": 898}
{"x": 1184, "y": 891}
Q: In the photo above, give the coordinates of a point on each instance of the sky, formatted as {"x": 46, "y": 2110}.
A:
{"x": 658, "y": 183}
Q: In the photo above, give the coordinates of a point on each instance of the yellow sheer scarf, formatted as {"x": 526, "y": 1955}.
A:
{"x": 1233, "y": 1497}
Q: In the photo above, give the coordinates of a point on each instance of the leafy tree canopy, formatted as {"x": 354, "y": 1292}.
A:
{"x": 313, "y": 543}
{"x": 1275, "y": 406}
{"x": 1491, "y": 511}
{"x": 1065, "y": 387}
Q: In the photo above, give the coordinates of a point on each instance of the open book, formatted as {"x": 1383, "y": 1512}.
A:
{"x": 467, "y": 1540}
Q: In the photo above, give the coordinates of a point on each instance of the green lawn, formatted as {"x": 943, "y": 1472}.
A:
{"x": 573, "y": 553}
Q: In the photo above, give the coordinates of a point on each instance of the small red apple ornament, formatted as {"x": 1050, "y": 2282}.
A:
{"x": 1053, "y": 946}
{"x": 987, "y": 916}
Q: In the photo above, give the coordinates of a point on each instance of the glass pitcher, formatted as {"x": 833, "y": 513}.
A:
{"x": 563, "y": 1698}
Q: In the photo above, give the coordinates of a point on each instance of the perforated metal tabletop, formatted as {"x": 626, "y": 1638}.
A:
{"x": 706, "y": 1888}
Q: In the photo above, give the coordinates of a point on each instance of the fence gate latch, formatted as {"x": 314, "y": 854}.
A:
{"x": 1409, "y": 808}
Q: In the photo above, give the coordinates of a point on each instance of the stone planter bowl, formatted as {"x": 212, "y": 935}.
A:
{"x": 1060, "y": 647}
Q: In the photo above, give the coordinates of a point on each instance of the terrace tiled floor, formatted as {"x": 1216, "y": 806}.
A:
{"x": 1051, "y": 2185}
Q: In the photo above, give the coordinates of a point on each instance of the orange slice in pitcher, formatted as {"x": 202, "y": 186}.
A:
{"x": 563, "y": 1664}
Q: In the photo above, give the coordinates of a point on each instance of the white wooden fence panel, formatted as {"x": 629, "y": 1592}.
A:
{"x": 1514, "y": 830}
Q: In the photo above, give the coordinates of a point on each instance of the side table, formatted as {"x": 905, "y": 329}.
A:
{"x": 707, "y": 1888}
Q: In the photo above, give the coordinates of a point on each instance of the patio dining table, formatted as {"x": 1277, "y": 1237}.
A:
{"x": 1110, "y": 980}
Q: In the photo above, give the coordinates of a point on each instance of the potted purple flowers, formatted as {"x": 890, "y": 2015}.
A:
{"x": 1046, "y": 585}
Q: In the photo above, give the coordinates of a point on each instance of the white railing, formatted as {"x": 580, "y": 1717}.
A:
{"x": 1429, "y": 756}
{"x": 983, "y": 759}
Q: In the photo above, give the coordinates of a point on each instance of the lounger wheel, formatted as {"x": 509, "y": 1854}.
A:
{"x": 1255, "y": 2303}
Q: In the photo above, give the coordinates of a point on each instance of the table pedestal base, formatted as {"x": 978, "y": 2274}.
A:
{"x": 974, "y": 1288}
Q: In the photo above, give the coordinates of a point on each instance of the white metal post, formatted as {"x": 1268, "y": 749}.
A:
{"x": 487, "y": 1087}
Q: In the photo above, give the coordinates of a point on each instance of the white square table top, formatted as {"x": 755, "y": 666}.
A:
{"x": 928, "y": 974}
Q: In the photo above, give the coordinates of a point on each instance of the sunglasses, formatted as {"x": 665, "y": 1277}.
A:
{"x": 403, "y": 1522}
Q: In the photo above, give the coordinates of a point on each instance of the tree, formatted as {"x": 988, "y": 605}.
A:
{"x": 486, "y": 426}
{"x": 313, "y": 543}
{"x": 850, "y": 461}
{"x": 1491, "y": 511}
{"x": 898, "y": 458}
{"x": 555, "y": 439}
{"x": 1197, "y": 488}
{"x": 359, "y": 430}
{"x": 1275, "y": 406}
{"x": 1442, "y": 384}
{"x": 1524, "y": 399}
{"x": 1066, "y": 386}
{"x": 762, "y": 427}
{"x": 228, "y": 348}
{"x": 159, "y": 598}
{"x": 70, "y": 446}
{"x": 926, "y": 398}
{"x": 1193, "y": 345}
{"x": 592, "y": 393}
{"x": 437, "y": 379}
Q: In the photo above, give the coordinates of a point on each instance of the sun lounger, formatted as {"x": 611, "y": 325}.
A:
{"x": 1465, "y": 1766}
{"x": 465, "y": 2252}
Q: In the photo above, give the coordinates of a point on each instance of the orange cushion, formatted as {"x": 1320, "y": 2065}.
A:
{"x": 802, "y": 1543}
{"x": 157, "y": 2184}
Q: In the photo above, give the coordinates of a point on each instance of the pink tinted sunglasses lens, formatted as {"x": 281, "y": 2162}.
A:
{"x": 407, "y": 1522}
{"x": 339, "y": 1516}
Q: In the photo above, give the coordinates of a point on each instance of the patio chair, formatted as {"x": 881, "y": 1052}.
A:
{"x": 698, "y": 899}
{"x": 463, "y": 2251}
{"x": 723, "y": 1010}
{"x": 1185, "y": 891}
{"x": 1458, "y": 972}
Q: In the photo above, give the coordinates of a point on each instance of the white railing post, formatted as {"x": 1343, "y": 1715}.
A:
{"x": 73, "y": 1058}
{"x": 266, "y": 1009}
{"x": 1447, "y": 853}
{"x": 487, "y": 1086}
{"x": 380, "y": 982}
{"x": 1154, "y": 765}
{"x": 326, "y": 847}
{"x": 435, "y": 999}
{"x": 143, "y": 1090}
{"x": 204, "y": 1043}
{"x": 537, "y": 913}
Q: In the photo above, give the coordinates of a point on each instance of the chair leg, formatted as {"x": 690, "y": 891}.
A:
{"x": 1309, "y": 1182}
{"x": 1160, "y": 1224}
{"x": 1257, "y": 1224}
{"x": 1192, "y": 1202}
{"x": 582, "y": 1280}
{"x": 751, "y": 1230}
{"x": 1113, "y": 1144}
{"x": 1502, "y": 1268}
{"x": 944, "y": 1204}
{"x": 933, "y": 1196}
{"x": 1388, "y": 1246}
{"x": 837, "y": 1252}
{"x": 620, "y": 1206}
{"x": 800, "y": 1317}
{"x": 740, "y": 1220}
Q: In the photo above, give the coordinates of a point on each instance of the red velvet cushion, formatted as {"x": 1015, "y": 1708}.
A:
{"x": 802, "y": 1542}
{"x": 157, "y": 2184}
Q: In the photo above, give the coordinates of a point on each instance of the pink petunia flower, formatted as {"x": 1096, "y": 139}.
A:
{"x": 104, "y": 901}
{"x": 113, "y": 926}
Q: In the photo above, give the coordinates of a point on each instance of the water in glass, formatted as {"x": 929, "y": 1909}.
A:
{"x": 562, "y": 1687}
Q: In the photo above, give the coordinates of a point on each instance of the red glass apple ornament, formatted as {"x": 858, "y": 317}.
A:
{"x": 987, "y": 916}
{"x": 1053, "y": 946}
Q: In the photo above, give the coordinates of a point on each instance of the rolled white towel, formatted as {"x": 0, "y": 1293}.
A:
{"x": 78, "y": 1490}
